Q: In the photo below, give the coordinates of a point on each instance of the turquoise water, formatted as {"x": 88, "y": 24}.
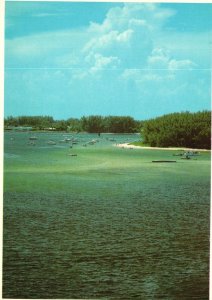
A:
{"x": 105, "y": 224}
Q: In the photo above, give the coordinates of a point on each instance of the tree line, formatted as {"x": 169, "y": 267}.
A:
{"x": 192, "y": 130}
{"x": 92, "y": 124}
{"x": 185, "y": 129}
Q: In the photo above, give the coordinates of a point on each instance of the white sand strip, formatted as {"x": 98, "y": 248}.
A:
{"x": 128, "y": 146}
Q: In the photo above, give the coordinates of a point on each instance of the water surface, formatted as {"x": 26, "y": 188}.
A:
{"x": 105, "y": 224}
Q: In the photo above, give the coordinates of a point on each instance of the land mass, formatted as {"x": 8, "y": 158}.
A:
{"x": 132, "y": 146}
{"x": 181, "y": 130}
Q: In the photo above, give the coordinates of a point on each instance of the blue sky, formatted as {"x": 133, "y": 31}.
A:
{"x": 73, "y": 59}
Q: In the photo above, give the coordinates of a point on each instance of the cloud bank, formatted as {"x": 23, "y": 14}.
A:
{"x": 128, "y": 64}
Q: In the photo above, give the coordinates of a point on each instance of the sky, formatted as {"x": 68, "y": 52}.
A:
{"x": 69, "y": 59}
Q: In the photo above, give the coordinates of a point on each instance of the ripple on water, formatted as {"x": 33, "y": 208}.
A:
{"x": 11, "y": 155}
{"x": 67, "y": 246}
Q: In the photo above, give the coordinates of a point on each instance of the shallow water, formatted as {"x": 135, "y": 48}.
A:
{"x": 106, "y": 224}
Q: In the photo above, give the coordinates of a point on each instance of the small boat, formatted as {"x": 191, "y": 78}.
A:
{"x": 164, "y": 161}
{"x": 33, "y": 138}
{"x": 51, "y": 143}
{"x": 31, "y": 143}
{"x": 191, "y": 153}
{"x": 72, "y": 154}
{"x": 91, "y": 142}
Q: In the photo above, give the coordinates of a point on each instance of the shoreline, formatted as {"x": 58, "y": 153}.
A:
{"x": 128, "y": 146}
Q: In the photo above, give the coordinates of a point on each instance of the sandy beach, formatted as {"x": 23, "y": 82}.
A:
{"x": 128, "y": 146}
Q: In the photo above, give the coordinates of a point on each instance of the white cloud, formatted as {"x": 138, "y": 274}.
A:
{"x": 126, "y": 33}
{"x": 126, "y": 41}
{"x": 185, "y": 64}
{"x": 158, "y": 59}
{"x": 130, "y": 54}
{"x": 195, "y": 46}
{"x": 31, "y": 9}
{"x": 102, "y": 62}
{"x": 55, "y": 49}
{"x": 125, "y": 36}
{"x": 44, "y": 15}
{"x": 161, "y": 59}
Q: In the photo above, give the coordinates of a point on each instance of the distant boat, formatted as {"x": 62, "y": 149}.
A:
{"x": 91, "y": 142}
{"x": 191, "y": 153}
{"x": 164, "y": 161}
{"x": 74, "y": 140}
{"x": 178, "y": 154}
{"x": 33, "y": 138}
{"x": 31, "y": 143}
{"x": 51, "y": 143}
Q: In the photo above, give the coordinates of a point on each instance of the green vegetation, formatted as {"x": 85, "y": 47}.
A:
{"x": 179, "y": 130}
{"x": 91, "y": 124}
{"x": 184, "y": 129}
{"x": 113, "y": 124}
{"x": 36, "y": 122}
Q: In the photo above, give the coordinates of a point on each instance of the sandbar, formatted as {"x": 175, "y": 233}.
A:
{"x": 129, "y": 146}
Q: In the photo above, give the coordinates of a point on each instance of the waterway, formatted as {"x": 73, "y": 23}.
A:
{"x": 106, "y": 223}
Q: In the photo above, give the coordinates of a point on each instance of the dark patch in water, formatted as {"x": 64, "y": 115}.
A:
{"x": 143, "y": 245}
